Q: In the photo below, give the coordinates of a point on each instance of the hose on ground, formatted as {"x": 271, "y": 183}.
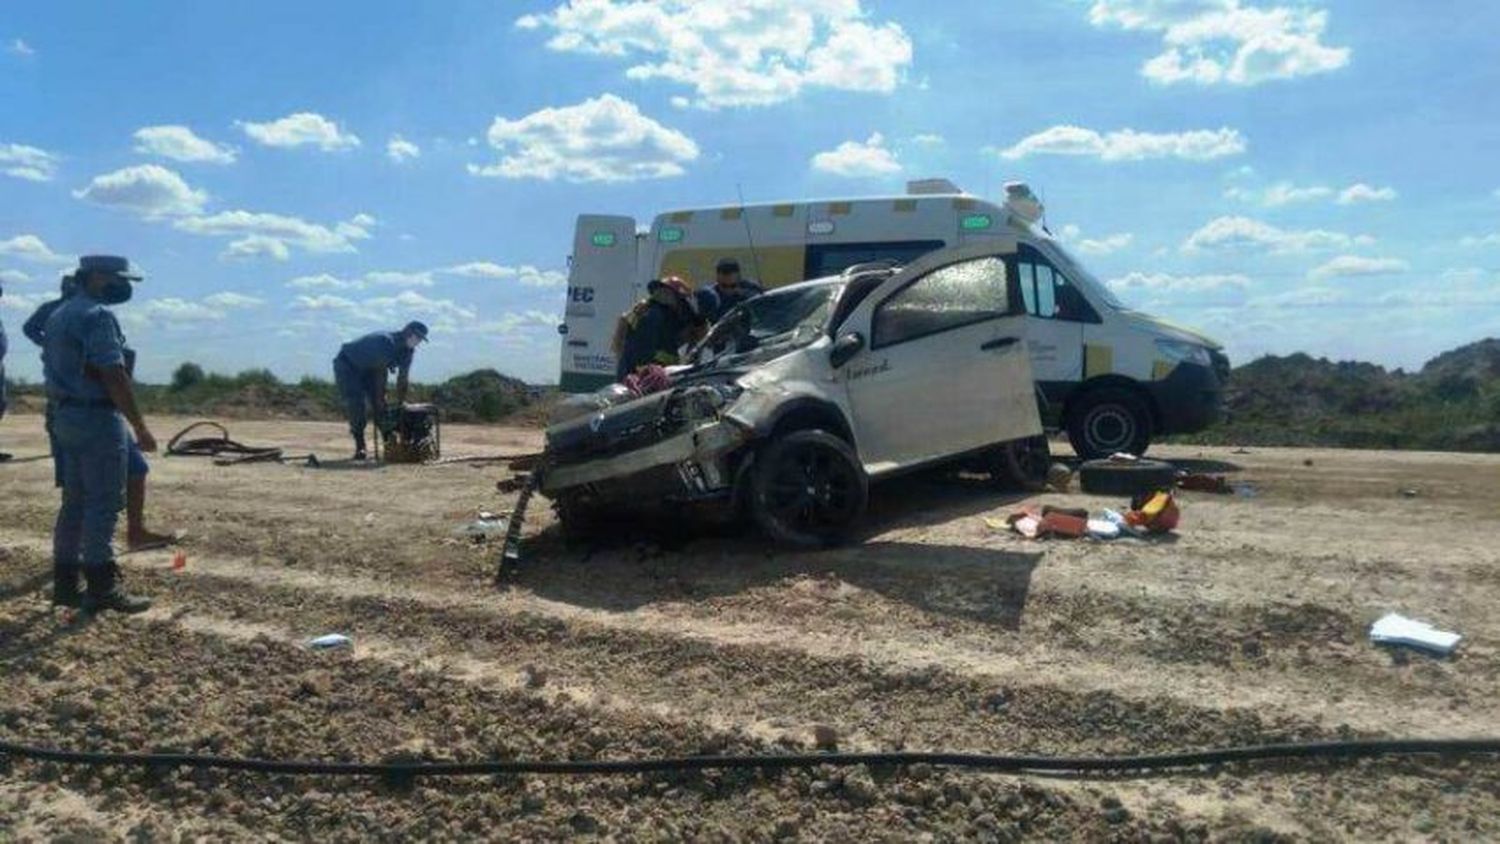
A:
{"x": 225, "y": 451}
{"x": 1086, "y": 766}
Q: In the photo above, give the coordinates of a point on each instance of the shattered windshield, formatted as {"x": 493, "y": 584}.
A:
{"x": 777, "y": 317}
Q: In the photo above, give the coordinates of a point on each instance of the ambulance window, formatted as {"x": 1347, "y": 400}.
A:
{"x": 1046, "y": 291}
{"x": 1027, "y": 274}
{"x": 1048, "y": 294}
{"x": 947, "y": 298}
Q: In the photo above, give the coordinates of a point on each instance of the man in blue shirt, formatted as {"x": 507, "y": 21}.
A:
{"x": 137, "y": 537}
{"x": 88, "y": 384}
{"x": 727, "y": 291}
{"x": 3, "y": 343}
{"x": 360, "y": 373}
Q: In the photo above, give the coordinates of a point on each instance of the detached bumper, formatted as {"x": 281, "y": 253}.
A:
{"x": 693, "y": 463}
{"x": 1190, "y": 399}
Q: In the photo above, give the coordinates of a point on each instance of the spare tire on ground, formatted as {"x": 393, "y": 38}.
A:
{"x": 1126, "y": 477}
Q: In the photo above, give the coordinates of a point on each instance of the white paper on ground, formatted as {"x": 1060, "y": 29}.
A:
{"x": 332, "y": 640}
{"x": 1103, "y": 529}
{"x": 1395, "y": 629}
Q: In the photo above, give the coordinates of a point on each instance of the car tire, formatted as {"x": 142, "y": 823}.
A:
{"x": 1126, "y": 477}
{"x": 1107, "y": 421}
{"x": 1021, "y": 464}
{"x": 808, "y": 490}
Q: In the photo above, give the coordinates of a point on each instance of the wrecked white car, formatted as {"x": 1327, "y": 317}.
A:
{"x": 798, "y": 400}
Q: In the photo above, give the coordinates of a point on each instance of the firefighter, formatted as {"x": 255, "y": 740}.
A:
{"x": 655, "y": 329}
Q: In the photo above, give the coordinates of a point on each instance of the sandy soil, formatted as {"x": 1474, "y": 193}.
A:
{"x": 935, "y": 633}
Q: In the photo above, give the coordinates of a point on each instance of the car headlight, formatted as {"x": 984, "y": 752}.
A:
{"x": 1180, "y": 352}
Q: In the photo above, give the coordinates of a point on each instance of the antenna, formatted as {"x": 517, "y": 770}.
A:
{"x": 749, "y": 234}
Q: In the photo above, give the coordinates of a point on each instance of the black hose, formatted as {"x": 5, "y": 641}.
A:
{"x": 1114, "y": 766}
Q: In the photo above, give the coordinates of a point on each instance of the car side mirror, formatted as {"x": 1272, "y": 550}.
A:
{"x": 845, "y": 348}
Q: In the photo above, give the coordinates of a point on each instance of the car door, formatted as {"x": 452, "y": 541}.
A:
{"x": 944, "y": 368}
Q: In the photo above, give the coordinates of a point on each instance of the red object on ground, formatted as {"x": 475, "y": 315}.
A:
{"x": 179, "y": 561}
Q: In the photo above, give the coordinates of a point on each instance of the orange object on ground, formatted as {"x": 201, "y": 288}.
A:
{"x": 179, "y": 561}
{"x": 1156, "y": 512}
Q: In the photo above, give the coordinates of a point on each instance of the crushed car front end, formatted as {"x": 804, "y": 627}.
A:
{"x": 676, "y": 446}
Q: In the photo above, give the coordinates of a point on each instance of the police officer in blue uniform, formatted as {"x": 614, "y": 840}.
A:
{"x": 727, "y": 291}
{"x": 360, "y": 373}
{"x": 89, "y": 386}
{"x": 137, "y": 536}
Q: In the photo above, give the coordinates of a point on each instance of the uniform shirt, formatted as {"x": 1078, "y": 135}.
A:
{"x": 382, "y": 350}
{"x": 81, "y": 334}
{"x": 714, "y": 302}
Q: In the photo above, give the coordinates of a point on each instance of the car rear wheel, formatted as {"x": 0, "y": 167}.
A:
{"x": 1108, "y": 421}
{"x": 808, "y": 490}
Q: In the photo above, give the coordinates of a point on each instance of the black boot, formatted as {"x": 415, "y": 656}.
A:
{"x": 105, "y": 592}
{"x": 65, "y": 586}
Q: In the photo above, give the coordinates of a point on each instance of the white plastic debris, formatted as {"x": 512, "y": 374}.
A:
{"x": 484, "y": 528}
{"x": 1103, "y": 529}
{"x": 330, "y": 642}
{"x": 1396, "y": 629}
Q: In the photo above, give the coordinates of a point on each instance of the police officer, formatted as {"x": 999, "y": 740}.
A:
{"x": 360, "y": 373}
{"x": 3, "y": 403}
{"x": 88, "y": 384}
{"x": 137, "y": 537}
{"x": 727, "y": 291}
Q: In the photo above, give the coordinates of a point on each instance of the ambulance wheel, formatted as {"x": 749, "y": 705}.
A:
{"x": 1108, "y": 421}
{"x": 1021, "y": 464}
{"x": 808, "y": 490}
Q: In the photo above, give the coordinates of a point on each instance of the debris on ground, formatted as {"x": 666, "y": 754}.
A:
{"x": 331, "y": 641}
{"x": 1156, "y": 513}
{"x": 1410, "y": 493}
{"x": 1059, "y": 477}
{"x": 179, "y": 560}
{"x": 485, "y": 526}
{"x": 1397, "y": 629}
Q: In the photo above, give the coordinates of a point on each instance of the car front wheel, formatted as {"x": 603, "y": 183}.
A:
{"x": 808, "y": 490}
{"x": 1108, "y": 421}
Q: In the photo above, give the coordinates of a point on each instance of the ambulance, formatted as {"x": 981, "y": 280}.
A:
{"x": 1111, "y": 377}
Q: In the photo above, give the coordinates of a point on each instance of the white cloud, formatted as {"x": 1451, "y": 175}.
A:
{"x": 1167, "y": 283}
{"x": 400, "y": 150}
{"x": 13, "y": 277}
{"x": 605, "y": 139}
{"x": 929, "y": 140}
{"x": 854, "y": 159}
{"x": 1097, "y": 245}
{"x": 440, "y": 314}
{"x": 1279, "y": 194}
{"x": 735, "y": 53}
{"x": 229, "y": 300}
{"x": 1211, "y": 42}
{"x": 323, "y": 281}
{"x": 171, "y": 310}
{"x": 301, "y": 129}
{"x": 180, "y": 144}
{"x": 1129, "y": 145}
{"x": 375, "y": 278}
{"x": 24, "y": 162}
{"x": 148, "y": 189}
{"x": 1345, "y": 266}
{"x": 23, "y": 303}
{"x": 1241, "y": 232}
{"x": 20, "y": 48}
{"x": 364, "y": 221}
{"x": 29, "y": 247}
{"x": 525, "y": 274}
{"x": 257, "y": 246}
{"x": 386, "y": 278}
{"x": 1482, "y": 240}
{"x": 1365, "y": 193}
{"x": 288, "y": 231}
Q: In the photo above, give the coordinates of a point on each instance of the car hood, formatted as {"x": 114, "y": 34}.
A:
{"x": 1171, "y": 330}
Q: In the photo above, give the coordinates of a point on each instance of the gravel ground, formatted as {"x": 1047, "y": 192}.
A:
{"x": 937, "y": 632}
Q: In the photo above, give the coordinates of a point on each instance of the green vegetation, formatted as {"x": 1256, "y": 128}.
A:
{"x": 1451, "y": 404}
{"x": 480, "y": 396}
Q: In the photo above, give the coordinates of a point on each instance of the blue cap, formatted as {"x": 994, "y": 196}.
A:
{"x": 417, "y": 328}
{"x": 107, "y": 264}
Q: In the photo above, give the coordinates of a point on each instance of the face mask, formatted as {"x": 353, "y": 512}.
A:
{"x": 116, "y": 292}
{"x": 413, "y": 342}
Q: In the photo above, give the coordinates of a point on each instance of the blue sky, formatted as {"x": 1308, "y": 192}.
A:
{"x": 1316, "y": 176}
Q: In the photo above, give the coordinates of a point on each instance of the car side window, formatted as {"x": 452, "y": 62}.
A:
{"x": 1047, "y": 293}
{"x": 946, "y": 298}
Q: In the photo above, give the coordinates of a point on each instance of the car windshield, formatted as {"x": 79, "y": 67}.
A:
{"x": 778, "y": 316}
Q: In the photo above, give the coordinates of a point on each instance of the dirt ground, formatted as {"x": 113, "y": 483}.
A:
{"x": 937, "y": 632}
